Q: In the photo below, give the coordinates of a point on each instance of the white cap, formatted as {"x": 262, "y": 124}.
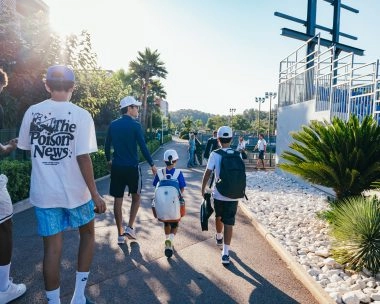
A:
{"x": 170, "y": 155}
{"x": 128, "y": 101}
{"x": 224, "y": 132}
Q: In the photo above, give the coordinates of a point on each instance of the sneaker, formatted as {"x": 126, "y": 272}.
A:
{"x": 219, "y": 242}
{"x": 121, "y": 239}
{"x": 168, "y": 248}
{"x": 13, "y": 292}
{"x": 225, "y": 259}
{"x": 130, "y": 232}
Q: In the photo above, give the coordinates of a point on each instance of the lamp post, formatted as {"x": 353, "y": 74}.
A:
{"x": 260, "y": 100}
{"x": 270, "y": 95}
{"x": 232, "y": 110}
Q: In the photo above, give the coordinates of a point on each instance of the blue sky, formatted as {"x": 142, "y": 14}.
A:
{"x": 220, "y": 54}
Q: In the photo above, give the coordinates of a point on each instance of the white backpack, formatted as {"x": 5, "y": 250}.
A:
{"x": 168, "y": 200}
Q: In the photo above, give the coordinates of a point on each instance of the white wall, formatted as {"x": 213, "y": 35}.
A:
{"x": 292, "y": 118}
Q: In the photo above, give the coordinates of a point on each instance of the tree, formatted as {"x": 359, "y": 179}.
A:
{"x": 240, "y": 123}
{"x": 147, "y": 66}
{"x": 344, "y": 156}
{"x": 216, "y": 121}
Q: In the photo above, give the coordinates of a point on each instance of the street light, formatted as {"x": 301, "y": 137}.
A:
{"x": 270, "y": 95}
{"x": 260, "y": 100}
{"x": 232, "y": 110}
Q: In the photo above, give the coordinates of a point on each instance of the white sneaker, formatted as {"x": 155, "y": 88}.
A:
{"x": 130, "y": 233}
{"x": 13, "y": 292}
{"x": 121, "y": 239}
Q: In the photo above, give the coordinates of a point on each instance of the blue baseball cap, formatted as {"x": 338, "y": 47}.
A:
{"x": 60, "y": 73}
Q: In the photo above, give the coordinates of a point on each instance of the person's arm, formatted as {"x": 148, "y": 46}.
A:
{"x": 85, "y": 166}
{"x": 206, "y": 177}
{"x": 8, "y": 148}
{"x": 144, "y": 150}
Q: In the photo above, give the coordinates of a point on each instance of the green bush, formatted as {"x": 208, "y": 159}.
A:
{"x": 344, "y": 156}
{"x": 18, "y": 173}
{"x": 99, "y": 163}
{"x": 355, "y": 231}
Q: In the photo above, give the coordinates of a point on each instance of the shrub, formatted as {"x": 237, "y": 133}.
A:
{"x": 99, "y": 163}
{"x": 355, "y": 231}
{"x": 18, "y": 173}
{"x": 344, "y": 156}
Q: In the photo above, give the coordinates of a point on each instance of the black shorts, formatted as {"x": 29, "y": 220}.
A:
{"x": 172, "y": 225}
{"x": 261, "y": 154}
{"x": 125, "y": 176}
{"x": 226, "y": 210}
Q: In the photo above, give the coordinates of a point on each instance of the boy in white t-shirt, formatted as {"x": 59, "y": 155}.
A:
{"x": 60, "y": 136}
{"x": 225, "y": 207}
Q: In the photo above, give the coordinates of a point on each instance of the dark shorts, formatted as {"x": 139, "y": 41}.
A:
{"x": 171, "y": 224}
{"x": 125, "y": 176}
{"x": 261, "y": 154}
{"x": 226, "y": 210}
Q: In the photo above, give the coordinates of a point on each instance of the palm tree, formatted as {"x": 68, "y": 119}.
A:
{"x": 157, "y": 92}
{"x": 344, "y": 156}
{"x": 144, "y": 68}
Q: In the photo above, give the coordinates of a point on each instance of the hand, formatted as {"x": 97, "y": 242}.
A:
{"x": 100, "y": 205}
{"x": 13, "y": 143}
{"x": 154, "y": 170}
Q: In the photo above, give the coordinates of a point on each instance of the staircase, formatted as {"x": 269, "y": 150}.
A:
{"x": 250, "y": 162}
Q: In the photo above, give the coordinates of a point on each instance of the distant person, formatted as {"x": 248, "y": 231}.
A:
{"x": 124, "y": 135}
{"x": 8, "y": 290}
{"x": 170, "y": 228}
{"x": 241, "y": 147}
{"x": 198, "y": 150}
{"x": 261, "y": 146}
{"x": 212, "y": 144}
{"x": 60, "y": 136}
{"x": 225, "y": 206}
{"x": 191, "y": 151}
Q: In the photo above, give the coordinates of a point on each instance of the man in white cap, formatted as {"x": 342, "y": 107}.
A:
{"x": 124, "y": 134}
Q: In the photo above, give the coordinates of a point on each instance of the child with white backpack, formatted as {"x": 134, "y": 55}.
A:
{"x": 168, "y": 205}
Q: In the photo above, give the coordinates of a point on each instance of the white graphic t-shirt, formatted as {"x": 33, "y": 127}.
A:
{"x": 56, "y": 133}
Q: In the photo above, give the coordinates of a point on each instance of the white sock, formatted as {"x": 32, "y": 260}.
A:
{"x": 4, "y": 277}
{"x": 219, "y": 236}
{"x": 171, "y": 236}
{"x": 226, "y": 249}
{"x": 53, "y": 296}
{"x": 80, "y": 285}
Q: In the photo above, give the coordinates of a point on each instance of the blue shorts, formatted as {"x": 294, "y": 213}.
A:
{"x": 54, "y": 220}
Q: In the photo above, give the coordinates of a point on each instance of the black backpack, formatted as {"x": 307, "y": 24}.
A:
{"x": 232, "y": 178}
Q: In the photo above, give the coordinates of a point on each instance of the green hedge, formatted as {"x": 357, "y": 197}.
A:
{"x": 18, "y": 173}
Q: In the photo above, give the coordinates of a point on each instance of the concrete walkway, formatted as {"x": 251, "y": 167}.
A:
{"x": 139, "y": 272}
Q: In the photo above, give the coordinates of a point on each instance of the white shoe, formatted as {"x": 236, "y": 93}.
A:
{"x": 13, "y": 292}
{"x": 121, "y": 239}
{"x": 130, "y": 233}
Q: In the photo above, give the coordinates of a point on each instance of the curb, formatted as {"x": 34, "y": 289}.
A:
{"x": 315, "y": 289}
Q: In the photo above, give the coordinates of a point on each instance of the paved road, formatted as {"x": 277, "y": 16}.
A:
{"x": 138, "y": 272}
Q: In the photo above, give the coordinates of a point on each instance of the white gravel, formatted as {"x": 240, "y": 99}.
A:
{"x": 288, "y": 209}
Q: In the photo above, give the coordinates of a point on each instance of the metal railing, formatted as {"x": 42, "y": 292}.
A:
{"x": 338, "y": 85}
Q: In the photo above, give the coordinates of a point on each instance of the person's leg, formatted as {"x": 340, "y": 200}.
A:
{"x": 228, "y": 219}
{"x": 118, "y": 214}
{"x": 167, "y": 230}
{"x": 52, "y": 261}
{"x": 6, "y": 242}
{"x": 218, "y": 207}
{"x": 85, "y": 256}
{"x": 136, "y": 199}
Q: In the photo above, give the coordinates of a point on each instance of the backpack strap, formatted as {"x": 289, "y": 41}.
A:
{"x": 176, "y": 174}
{"x": 161, "y": 174}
